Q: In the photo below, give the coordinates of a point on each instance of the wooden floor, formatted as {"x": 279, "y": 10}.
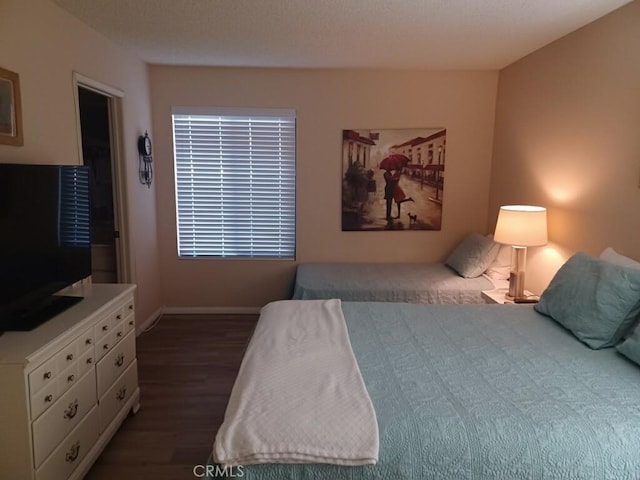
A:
{"x": 186, "y": 368}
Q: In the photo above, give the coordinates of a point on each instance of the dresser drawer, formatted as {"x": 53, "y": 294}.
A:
{"x": 67, "y": 356}
{"x": 129, "y": 323}
{"x": 119, "y": 316}
{"x": 62, "y": 417}
{"x": 86, "y": 341}
{"x": 86, "y": 362}
{"x": 104, "y": 344}
{"x": 43, "y": 399}
{"x": 129, "y": 307}
{"x": 69, "y": 454}
{"x": 67, "y": 379}
{"x": 103, "y": 327}
{"x": 130, "y": 316}
{"x": 43, "y": 376}
{"x": 118, "y": 332}
{"x": 115, "y": 398}
{"x": 114, "y": 363}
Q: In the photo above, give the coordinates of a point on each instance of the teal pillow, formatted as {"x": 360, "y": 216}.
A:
{"x": 598, "y": 301}
{"x": 630, "y": 348}
{"x": 473, "y": 256}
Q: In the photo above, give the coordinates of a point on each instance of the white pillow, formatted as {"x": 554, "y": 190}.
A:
{"x": 610, "y": 255}
{"x": 501, "y": 265}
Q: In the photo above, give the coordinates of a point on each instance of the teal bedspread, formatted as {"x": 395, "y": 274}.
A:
{"x": 387, "y": 282}
{"x": 486, "y": 392}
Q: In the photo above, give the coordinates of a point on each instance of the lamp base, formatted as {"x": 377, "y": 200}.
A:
{"x": 516, "y": 285}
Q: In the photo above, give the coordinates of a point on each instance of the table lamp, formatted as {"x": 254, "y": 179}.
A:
{"x": 520, "y": 226}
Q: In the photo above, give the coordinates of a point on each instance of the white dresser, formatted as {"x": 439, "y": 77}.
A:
{"x": 66, "y": 386}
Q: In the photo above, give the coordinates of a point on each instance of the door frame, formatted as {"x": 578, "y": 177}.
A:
{"x": 114, "y": 96}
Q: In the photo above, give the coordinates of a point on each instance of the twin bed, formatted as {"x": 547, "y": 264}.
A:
{"x": 390, "y": 282}
{"x": 476, "y": 264}
{"x": 459, "y": 391}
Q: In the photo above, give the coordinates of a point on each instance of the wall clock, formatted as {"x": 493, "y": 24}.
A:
{"x": 144, "y": 151}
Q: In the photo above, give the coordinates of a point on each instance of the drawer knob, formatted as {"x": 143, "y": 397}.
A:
{"x": 130, "y": 307}
{"x": 70, "y": 357}
{"x": 73, "y": 453}
{"x": 119, "y": 334}
{"x": 47, "y": 375}
{"x": 105, "y": 328}
{"x": 89, "y": 361}
{"x": 71, "y": 378}
{"x": 131, "y": 322}
{"x": 119, "y": 317}
{"x": 119, "y": 360}
{"x": 121, "y": 393}
{"x": 88, "y": 341}
{"x": 48, "y": 398}
{"x": 105, "y": 346}
{"x": 72, "y": 410}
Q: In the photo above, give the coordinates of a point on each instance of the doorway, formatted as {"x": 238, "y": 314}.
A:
{"x": 98, "y": 109}
{"x": 96, "y": 153}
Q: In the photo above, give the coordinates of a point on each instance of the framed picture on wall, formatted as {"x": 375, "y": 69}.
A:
{"x": 10, "y": 109}
{"x": 393, "y": 179}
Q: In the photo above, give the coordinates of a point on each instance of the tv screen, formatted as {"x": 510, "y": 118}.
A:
{"x": 45, "y": 240}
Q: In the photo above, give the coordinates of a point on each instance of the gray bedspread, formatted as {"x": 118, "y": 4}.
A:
{"x": 387, "y": 282}
{"x": 486, "y": 392}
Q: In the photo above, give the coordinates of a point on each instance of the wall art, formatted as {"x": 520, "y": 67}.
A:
{"x": 393, "y": 179}
{"x": 10, "y": 109}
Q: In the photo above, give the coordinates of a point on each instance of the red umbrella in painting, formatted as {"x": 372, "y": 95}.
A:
{"x": 396, "y": 161}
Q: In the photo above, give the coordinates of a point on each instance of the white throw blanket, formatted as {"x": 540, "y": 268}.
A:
{"x": 299, "y": 396}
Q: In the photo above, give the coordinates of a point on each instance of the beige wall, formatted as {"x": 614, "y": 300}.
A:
{"x": 567, "y": 136}
{"x": 327, "y": 101}
{"x": 45, "y": 45}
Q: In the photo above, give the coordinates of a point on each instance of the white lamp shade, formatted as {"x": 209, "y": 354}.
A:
{"x": 521, "y": 225}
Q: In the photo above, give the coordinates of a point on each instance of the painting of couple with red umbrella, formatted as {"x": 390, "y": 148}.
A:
{"x": 393, "y": 179}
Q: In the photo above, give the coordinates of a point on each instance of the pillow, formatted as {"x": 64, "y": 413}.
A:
{"x": 500, "y": 268}
{"x": 610, "y": 255}
{"x": 596, "y": 300}
{"x": 630, "y": 348}
{"x": 473, "y": 255}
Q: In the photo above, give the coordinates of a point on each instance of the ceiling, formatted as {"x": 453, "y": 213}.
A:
{"x": 397, "y": 34}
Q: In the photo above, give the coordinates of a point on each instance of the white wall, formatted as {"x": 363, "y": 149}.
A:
{"x": 567, "y": 136}
{"x": 45, "y": 45}
{"x": 326, "y": 102}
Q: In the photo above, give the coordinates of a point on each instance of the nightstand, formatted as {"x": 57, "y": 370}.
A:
{"x": 499, "y": 295}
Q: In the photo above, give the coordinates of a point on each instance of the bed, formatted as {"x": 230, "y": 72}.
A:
{"x": 476, "y": 264}
{"x": 390, "y": 282}
{"x": 492, "y": 391}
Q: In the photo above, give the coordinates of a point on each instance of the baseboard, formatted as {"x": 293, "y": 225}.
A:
{"x": 211, "y": 310}
{"x": 149, "y": 321}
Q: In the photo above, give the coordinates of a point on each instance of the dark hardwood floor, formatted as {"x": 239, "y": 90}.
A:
{"x": 186, "y": 367}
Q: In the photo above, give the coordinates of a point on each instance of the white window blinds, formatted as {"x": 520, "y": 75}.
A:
{"x": 235, "y": 182}
{"x": 74, "y": 210}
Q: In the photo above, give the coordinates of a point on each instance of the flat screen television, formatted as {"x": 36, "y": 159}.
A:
{"x": 45, "y": 240}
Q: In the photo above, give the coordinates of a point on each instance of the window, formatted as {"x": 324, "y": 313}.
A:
{"x": 235, "y": 182}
